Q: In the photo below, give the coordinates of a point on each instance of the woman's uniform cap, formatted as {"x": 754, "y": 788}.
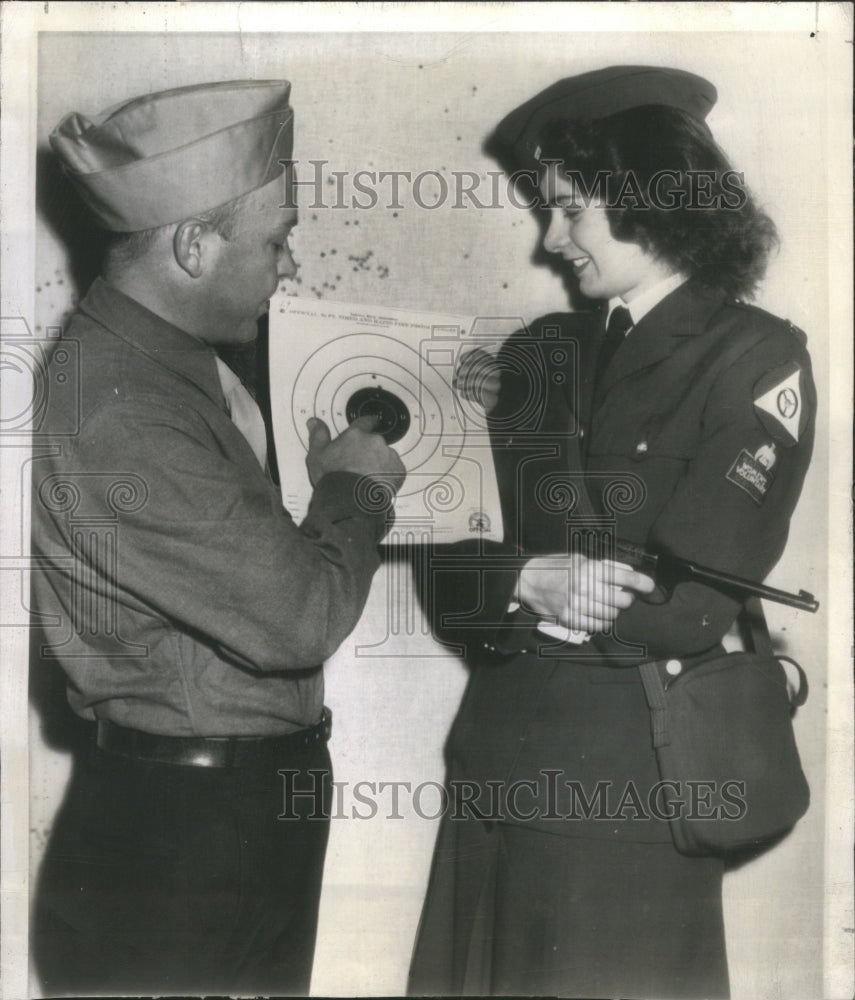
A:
{"x": 599, "y": 94}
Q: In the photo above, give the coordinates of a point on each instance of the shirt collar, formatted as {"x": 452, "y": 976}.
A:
{"x": 642, "y": 304}
{"x": 147, "y": 332}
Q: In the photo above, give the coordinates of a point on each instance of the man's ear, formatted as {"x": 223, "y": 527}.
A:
{"x": 187, "y": 245}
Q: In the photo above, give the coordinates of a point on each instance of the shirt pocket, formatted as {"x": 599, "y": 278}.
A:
{"x": 653, "y": 438}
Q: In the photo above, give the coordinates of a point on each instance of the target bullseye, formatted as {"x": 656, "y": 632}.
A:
{"x": 391, "y": 413}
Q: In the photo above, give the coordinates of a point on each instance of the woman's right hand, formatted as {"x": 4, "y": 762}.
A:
{"x": 584, "y": 595}
{"x": 478, "y": 378}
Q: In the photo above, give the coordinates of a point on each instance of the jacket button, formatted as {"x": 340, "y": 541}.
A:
{"x": 673, "y": 667}
{"x": 641, "y": 447}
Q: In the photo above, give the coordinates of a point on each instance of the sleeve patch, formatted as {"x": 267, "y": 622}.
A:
{"x": 753, "y": 473}
{"x": 779, "y": 403}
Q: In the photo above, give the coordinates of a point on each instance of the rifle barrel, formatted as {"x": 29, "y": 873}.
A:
{"x": 671, "y": 566}
{"x": 803, "y": 600}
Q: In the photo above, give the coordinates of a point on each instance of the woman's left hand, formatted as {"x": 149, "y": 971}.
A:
{"x": 478, "y": 378}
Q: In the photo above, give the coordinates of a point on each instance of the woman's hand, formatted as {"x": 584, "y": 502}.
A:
{"x": 478, "y": 378}
{"x": 585, "y": 595}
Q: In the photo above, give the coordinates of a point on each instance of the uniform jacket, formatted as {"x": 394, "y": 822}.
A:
{"x": 678, "y": 451}
{"x": 175, "y": 591}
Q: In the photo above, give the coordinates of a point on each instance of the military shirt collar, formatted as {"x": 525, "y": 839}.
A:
{"x": 642, "y": 304}
{"x": 144, "y": 331}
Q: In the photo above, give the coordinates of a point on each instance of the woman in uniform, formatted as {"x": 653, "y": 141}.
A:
{"x": 668, "y": 414}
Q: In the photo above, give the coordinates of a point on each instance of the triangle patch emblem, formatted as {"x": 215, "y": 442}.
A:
{"x": 782, "y": 402}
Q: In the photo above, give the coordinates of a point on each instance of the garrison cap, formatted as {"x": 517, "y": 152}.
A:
{"x": 163, "y": 157}
{"x": 596, "y": 95}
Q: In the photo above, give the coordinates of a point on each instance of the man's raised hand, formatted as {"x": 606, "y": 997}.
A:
{"x": 357, "y": 449}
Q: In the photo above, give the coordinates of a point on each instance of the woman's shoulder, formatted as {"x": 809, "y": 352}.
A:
{"x": 766, "y": 321}
{"x": 744, "y": 333}
{"x": 764, "y": 359}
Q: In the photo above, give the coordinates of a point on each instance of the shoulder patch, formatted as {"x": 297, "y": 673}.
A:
{"x": 753, "y": 473}
{"x": 779, "y": 403}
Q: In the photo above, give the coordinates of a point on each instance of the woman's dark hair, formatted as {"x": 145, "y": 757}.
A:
{"x": 669, "y": 188}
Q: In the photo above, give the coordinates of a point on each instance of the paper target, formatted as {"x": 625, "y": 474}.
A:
{"x": 371, "y": 373}
{"x": 338, "y": 362}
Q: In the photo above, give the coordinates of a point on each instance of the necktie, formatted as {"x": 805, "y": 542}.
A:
{"x": 620, "y": 322}
{"x": 244, "y": 412}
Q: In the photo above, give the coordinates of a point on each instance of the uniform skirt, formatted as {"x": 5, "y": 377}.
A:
{"x": 512, "y": 910}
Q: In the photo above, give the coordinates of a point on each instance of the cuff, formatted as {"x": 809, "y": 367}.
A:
{"x": 341, "y": 496}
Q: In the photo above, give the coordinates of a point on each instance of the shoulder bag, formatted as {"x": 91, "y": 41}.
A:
{"x": 723, "y": 736}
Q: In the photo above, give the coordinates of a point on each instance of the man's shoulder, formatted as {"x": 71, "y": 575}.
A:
{"x": 80, "y": 369}
{"x": 108, "y": 365}
{"x": 114, "y": 377}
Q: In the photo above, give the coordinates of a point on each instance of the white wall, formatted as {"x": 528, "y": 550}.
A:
{"x": 426, "y": 102}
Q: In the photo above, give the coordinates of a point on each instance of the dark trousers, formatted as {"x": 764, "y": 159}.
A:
{"x": 170, "y": 879}
{"x": 512, "y": 911}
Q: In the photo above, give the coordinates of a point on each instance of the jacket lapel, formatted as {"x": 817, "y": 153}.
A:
{"x": 589, "y": 349}
{"x": 683, "y": 313}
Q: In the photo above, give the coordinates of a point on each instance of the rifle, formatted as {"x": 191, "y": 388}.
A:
{"x": 666, "y": 569}
{"x": 669, "y": 570}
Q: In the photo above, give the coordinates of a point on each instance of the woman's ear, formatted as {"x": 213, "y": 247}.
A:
{"x": 188, "y": 246}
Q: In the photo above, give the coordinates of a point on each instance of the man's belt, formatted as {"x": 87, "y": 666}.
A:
{"x": 210, "y": 751}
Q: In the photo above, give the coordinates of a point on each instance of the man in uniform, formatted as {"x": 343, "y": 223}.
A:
{"x": 192, "y": 615}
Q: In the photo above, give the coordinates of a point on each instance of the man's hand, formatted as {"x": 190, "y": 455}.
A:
{"x": 354, "y": 450}
{"x": 583, "y": 594}
{"x": 478, "y": 378}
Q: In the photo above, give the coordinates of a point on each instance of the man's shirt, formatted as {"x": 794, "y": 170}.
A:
{"x": 175, "y": 592}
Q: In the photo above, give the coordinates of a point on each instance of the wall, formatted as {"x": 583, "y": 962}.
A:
{"x": 425, "y": 102}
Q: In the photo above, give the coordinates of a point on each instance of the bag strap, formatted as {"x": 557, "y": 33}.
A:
{"x": 756, "y": 631}
{"x": 654, "y": 691}
{"x": 753, "y": 622}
